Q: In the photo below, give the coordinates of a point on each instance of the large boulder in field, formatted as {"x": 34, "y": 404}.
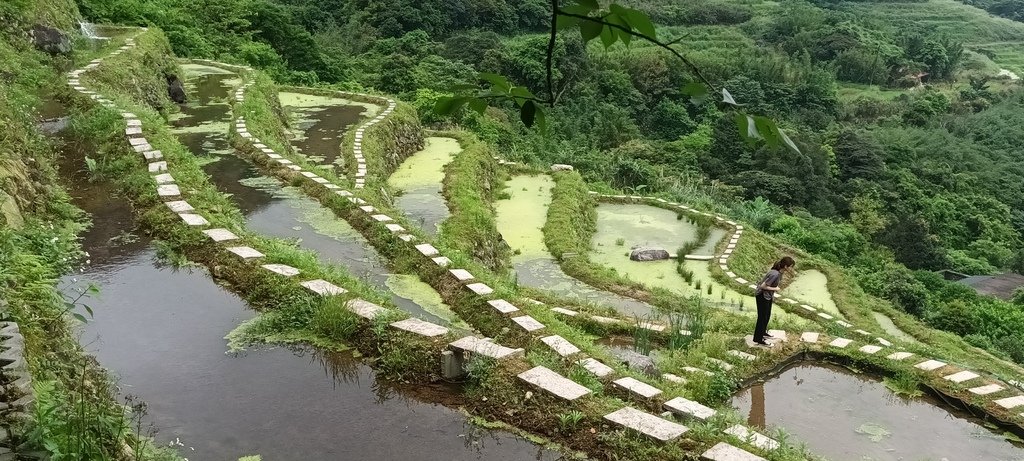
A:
{"x": 176, "y": 89}
{"x": 50, "y": 40}
{"x": 649, "y": 254}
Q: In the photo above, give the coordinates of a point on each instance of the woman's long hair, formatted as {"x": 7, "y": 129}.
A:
{"x": 783, "y": 263}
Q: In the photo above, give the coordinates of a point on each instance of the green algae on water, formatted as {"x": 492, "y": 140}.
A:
{"x": 811, "y": 287}
{"x": 522, "y": 215}
{"x": 412, "y": 288}
{"x": 425, "y": 168}
{"x": 890, "y": 328}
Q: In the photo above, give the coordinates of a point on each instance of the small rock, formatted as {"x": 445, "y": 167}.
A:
{"x": 176, "y": 89}
{"x": 561, "y": 167}
{"x": 649, "y": 254}
{"x": 529, "y": 395}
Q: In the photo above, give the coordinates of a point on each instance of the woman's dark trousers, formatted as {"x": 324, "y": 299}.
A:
{"x": 764, "y": 313}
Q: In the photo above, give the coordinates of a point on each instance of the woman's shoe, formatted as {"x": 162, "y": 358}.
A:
{"x": 763, "y": 343}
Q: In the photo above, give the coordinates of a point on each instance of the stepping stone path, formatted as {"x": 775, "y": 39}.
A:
{"x": 365, "y": 309}
{"x": 323, "y": 287}
{"x": 1011, "y": 402}
{"x": 528, "y": 323}
{"x": 560, "y": 345}
{"x": 503, "y": 306}
{"x": 479, "y": 346}
{"x": 725, "y": 452}
{"x": 596, "y": 367}
{"x": 683, "y": 407}
{"x": 554, "y": 383}
{"x": 420, "y": 327}
{"x": 809, "y": 337}
{"x": 646, "y": 423}
{"x": 930, "y": 365}
{"x": 870, "y": 349}
{"x": 900, "y": 355}
{"x": 986, "y": 389}
{"x": 961, "y": 376}
{"x": 637, "y": 387}
{"x": 754, "y": 438}
{"x": 282, "y": 269}
{"x": 840, "y": 342}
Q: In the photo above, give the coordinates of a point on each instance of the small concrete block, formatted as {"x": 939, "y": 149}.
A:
{"x": 673, "y": 378}
{"x": 651, "y": 326}
{"x": 442, "y": 261}
{"x": 282, "y": 269}
{"x": 741, "y": 281}
{"x": 164, "y": 178}
{"x": 427, "y": 249}
{"x": 605, "y": 320}
{"x": 900, "y": 355}
{"x": 808, "y": 308}
{"x": 697, "y": 371}
{"x": 884, "y": 342}
{"x": 461, "y": 275}
{"x": 220, "y": 235}
{"x": 1011, "y": 402}
{"x": 929, "y": 365}
{"x": 596, "y": 367}
{"x": 394, "y": 228}
{"x": 870, "y": 349}
{"x": 168, "y": 190}
{"x": 485, "y": 348}
{"x": 291, "y": 167}
{"x": 742, "y": 355}
{"x": 323, "y": 287}
{"x": 310, "y": 174}
{"x": 961, "y": 376}
{"x": 179, "y": 206}
{"x": 560, "y": 345}
{"x": 246, "y": 252}
{"x": 152, "y": 154}
{"x": 344, "y": 193}
{"x": 637, "y": 387}
{"x": 726, "y": 366}
{"x": 528, "y": 323}
{"x": 137, "y": 141}
{"x": 133, "y": 131}
{"x": 844, "y": 324}
{"x": 420, "y": 327}
{"x": 754, "y": 438}
{"x": 725, "y": 452}
{"x": 825, "y": 316}
{"x": 986, "y": 389}
{"x": 133, "y": 122}
{"x": 862, "y": 332}
{"x": 368, "y": 208}
{"x": 480, "y": 289}
{"x": 503, "y": 306}
{"x": 365, "y": 309}
{"x": 840, "y": 342}
{"x": 809, "y": 337}
{"x": 683, "y": 407}
{"x": 564, "y": 311}
{"x": 554, "y": 383}
{"x": 647, "y": 424}
{"x": 381, "y": 218}
{"x": 194, "y": 219}
{"x": 156, "y": 167}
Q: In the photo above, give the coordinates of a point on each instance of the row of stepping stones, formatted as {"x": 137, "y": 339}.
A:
{"x": 357, "y": 145}
{"x": 541, "y": 377}
{"x": 17, "y": 388}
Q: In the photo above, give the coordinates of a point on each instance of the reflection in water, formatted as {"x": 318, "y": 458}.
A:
{"x": 846, "y": 417}
{"x": 420, "y": 179}
{"x": 320, "y": 122}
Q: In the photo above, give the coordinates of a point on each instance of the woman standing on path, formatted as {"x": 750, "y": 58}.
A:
{"x": 765, "y": 295}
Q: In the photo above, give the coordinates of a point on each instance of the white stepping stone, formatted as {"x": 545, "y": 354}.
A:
{"x": 179, "y": 206}
{"x": 725, "y": 452}
{"x": 442, "y": 261}
{"x": 825, "y": 316}
{"x": 862, "y": 332}
{"x": 605, "y": 320}
{"x": 246, "y": 252}
{"x": 164, "y": 178}
{"x": 479, "y": 346}
{"x": 133, "y": 122}
{"x": 870, "y": 349}
{"x": 721, "y": 364}
{"x": 394, "y": 228}
{"x": 168, "y": 190}
{"x": 554, "y": 383}
{"x": 564, "y": 311}
{"x": 560, "y": 345}
{"x": 137, "y": 141}
{"x": 152, "y": 155}
{"x": 420, "y": 327}
{"x": 986, "y": 389}
{"x": 900, "y": 355}
{"x": 840, "y": 342}
{"x": 461, "y": 275}
{"x": 132, "y": 131}
{"x": 673, "y": 378}
{"x": 220, "y": 235}
{"x": 742, "y": 355}
{"x": 282, "y": 269}
{"x": 741, "y": 281}
{"x": 596, "y": 367}
{"x": 427, "y": 249}
{"x": 683, "y": 407}
{"x": 646, "y": 423}
{"x": 194, "y": 219}
{"x": 930, "y": 365}
{"x": 320, "y": 180}
{"x": 809, "y": 337}
{"x": 291, "y": 167}
{"x": 344, "y": 193}
{"x": 323, "y": 287}
{"x": 846, "y": 325}
{"x": 754, "y": 438}
{"x": 528, "y": 323}
{"x": 884, "y": 342}
{"x": 480, "y": 289}
{"x": 503, "y": 306}
{"x": 368, "y": 208}
{"x": 808, "y": 308}
{"x": 697, "y": 371}
{"x": 157, "y": 167}
{"x": 637, "y": 387}
{"x": 310, "y": 174}
{"x": 1011, "y": 402}
{"x": 651, "y": 326}
{"x": 365, "y": 309}
{"x": 961, "y": 376}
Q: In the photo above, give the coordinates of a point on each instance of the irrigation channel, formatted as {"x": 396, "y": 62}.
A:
{"x": 419, "y": 180}
{"x": 160, "y": 330}
{"x": 847, "y": 416}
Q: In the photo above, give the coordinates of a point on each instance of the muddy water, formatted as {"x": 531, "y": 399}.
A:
{"x": 851, "y": 417}
{"x": 520, "y": 219}
{"x": 811, "y": 287}
{"x": 319, "y": 123}
{"x": 420, "y": 178}
{"x": 890, "y": 328}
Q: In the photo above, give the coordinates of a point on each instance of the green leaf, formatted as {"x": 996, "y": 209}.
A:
{"x": 80, "y": 317}
{"x": 565, "y": 22}
{"x": 767, "y": 129}
{"x": 590, "y": 5}
{"x": 621, "y": 34}
{"x": 697, "y": 92}
{"x": 727, "y": 98}
{"x": 608, "y": 36}
{"x": 497, "y": 80}
{"x": 89, "y": 310}
{"x": 747, "y": 127}
{"x": 541, "y": 120}
{"x": 528, "y": 113}
{"x": 479, "y": 105}
{"x": 522, "y": 92}
{"x": 641, "y": 23}
{"x": 787, "y": 141}
{"x": 449, "y": 104}
{"x": 590, "y": 30}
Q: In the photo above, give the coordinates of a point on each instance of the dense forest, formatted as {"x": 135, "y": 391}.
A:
{"x": 908, "y": 130}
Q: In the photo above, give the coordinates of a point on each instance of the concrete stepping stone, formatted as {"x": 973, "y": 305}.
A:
{"x": 133, "y": 131}
{"x": 151, "y": 155}
{"x": 381, "y": 218}
{"x": 528, "y": 323}
{"x": 721, "y": 364}
{"x": 840, "y": 342}
{"x": 779, "y": 335}
{"x": 596, "y": 367}
{"x": 684, "y": 407}
{"x": 986, "y": 389}
{"x": 930, "y": 365}
{"x": 808, "y": 308}
{"x": 741, "y": 281}
{"x": 564, "y": 311}
{"x": 900, "y": 355}
{"x": 503, "y": 306}
{"x": 1011, "y": 402}
{"x": 809, "y": 337}
{"x": 323, "y": 287}
{"x": 179, "y": 206}
{"x": 137, "y": 141}
{"x": 220, "y": 235}
{"x": 742, "y": 355}
{"x": 168, "y": 190}
{"x": 605, "y": 320}
{"x": 420, "y": 327}
{"x": 427, "y": 249}
{"x": 343, "y": 193}
{"x": 282, "y": 269}
{"x": 560, "y": 345}
{"x": 673, "y": 378}
{"x": 194, "y": 219}
{"x": 480, "y": 289}
{"x": 884, "y": 342}
{"x": 365, "y": 309}
{"x": 461, "y": 275}
{"x": 246, "y": 252}
{"x": 637, "y": 387}
{"x": 724, "y": 452}
{"x": 554, "y": 383}
{"x": 825, "y": 316}
{"x": 695, "y": 370}
{"x": 754, "y": 438}
{"x": 861, "y": 332}
{"x": 156, "y": 167}
{"x": 846, "y": 325}
{"x": 479, "y": 346}
{"x": 961, "y": 376}
{"x": 321, "y": 181}
{"x": 870, "y": 349}
{"x": 164, "y": 178}
{"x": 394, "y": 228}
{"x": 442, "y": 261}
{"x": 647, "y": 424}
